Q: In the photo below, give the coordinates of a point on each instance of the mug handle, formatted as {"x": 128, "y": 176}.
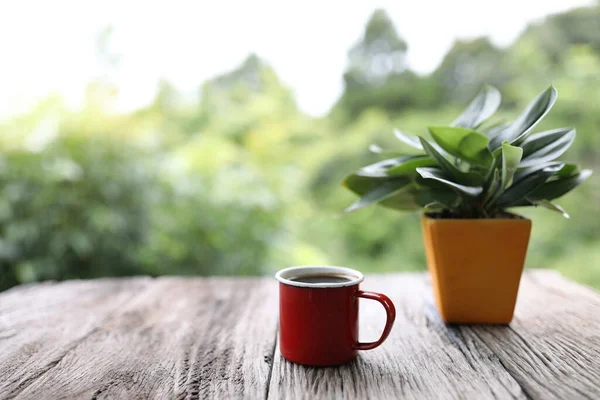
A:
{"x": 391, "y": 316}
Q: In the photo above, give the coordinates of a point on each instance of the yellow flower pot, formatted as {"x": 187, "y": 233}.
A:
{"x": 476, "y": 266}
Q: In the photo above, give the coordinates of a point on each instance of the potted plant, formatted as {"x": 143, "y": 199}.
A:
{"x": 466, "y": 177}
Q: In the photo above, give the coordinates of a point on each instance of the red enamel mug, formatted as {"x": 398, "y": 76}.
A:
{"x": 318, "y": 321}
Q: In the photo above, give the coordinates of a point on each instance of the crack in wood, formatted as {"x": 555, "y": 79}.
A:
{"x": 544, "y": 361}
{"x": 8, "y": 336}
{"x": 523, "y": 390}
{"x": 455, "y": 334}
{"x": 272, "y": 362}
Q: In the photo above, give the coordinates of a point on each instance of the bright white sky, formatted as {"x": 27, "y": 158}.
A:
{"x": 48, "y": 46}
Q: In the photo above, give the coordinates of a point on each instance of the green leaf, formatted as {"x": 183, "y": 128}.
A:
{"x": 496, "y": 165}
{"x": 412, "y": 141}
{"x": 434, "y": 206}
{"x": 524, "y": 172}
{"x": 463, "y": 143}
{"x": 568, "y": 170}
{"x": 496, "y": 130}
{"x": 438, "y": 175}
{"x": 511, "y": 156}
{"x": 546, "y": 146}
{"x": 410, "y": 197}
{"x": 480, "y": 109}
{"x": 443, "y": 195}
{"x": 556, "y": 188}
{"x": 379, "y": 168}
{"x": 415, "y": 196}
{"x": 360, "y": 182}
{"x": 551, "y": 206}
{"x": 493, "y": 186}
{"x": 405, "y": 199}
{"x": 540, "y": 140}
{"x": 534, "y": 113}
{"x": 430, "y": 190}
{"x": 526, "y": 184}
{"x": 440, "y": 159}
{"x": 398, "y": 166}
{"x": 467, "y": 178}
{"x": 409, "y": 166}
{"x": 377, "y": 194}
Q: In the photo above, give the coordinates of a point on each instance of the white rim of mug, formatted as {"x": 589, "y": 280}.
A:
{"x": 284, "y": 276}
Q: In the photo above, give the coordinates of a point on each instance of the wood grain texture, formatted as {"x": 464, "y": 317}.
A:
{"x": 178, "y": 338}
{"x": 191, "y": 338}
{"x": 41, "y": 324}
{"x": 421, "y": 359}
{"x": 551, "y": 350}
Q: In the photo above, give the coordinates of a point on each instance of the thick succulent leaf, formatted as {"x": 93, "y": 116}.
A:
{"x": 493, "y": 187}
{"x": 439, "y": 175}
{"x": 568, "y": 170}
{"x": 443, "y": 195}
{"x": 379, "y": 168}
{"x": 377, "y": 194}
{"x": 534, "y": 113}
{"x": 551, "y": 206}
{"x": 415, "y": 196}
{"x": 467, "y": 178}
{"x": 412, "y": 141}
{"x": 524, "y": 172}
{"x": 440, "y": 159}
{"x": 409, "y": 166}
{"x": 404, "y": 199}
{"x": 511, "y": 156}
{"x": 361, "y": 183}
{"x": 526, "y": 184}
{"x": 546, "y": 146}
{"x": 496, "y": 166}
{"x": 496, "y": 130}
{"x": 540, "y": 140}
{"x": 556, "y": 188}
{"x": 480, "y": 109}
{"x": 404, "y": 165}
{"x": 463, "y": 143}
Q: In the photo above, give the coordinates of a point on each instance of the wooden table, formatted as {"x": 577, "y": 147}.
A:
{"x": 182, "y": 338}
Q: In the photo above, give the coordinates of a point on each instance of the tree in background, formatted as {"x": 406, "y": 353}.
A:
{"x": 560, "y": 31}
{"x": 78, "y": 209}
{"x": 380, "y": 53}
{"x": 377, "y": 75}
{"x": 467, "y": 67}
{"x": 236, "y": 179}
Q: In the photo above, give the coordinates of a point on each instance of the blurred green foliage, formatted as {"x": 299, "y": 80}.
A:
{"x": 240, "y": 182}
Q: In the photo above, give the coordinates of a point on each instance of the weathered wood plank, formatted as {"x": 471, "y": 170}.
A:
{"x": 180, "y": 338}
{"x": 552, "y": 348}
{"x": 214, "y": 338}
{"x": 41, "y": 324}
{"x": 421, "y": 359}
